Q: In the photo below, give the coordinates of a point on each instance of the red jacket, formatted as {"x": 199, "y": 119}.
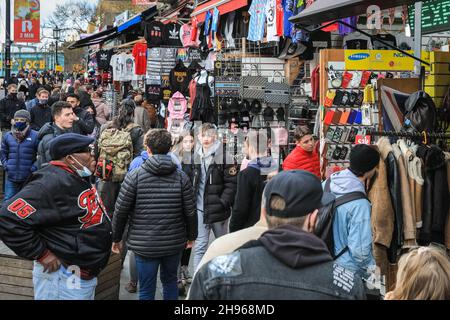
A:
{"x": 299, "y": 159}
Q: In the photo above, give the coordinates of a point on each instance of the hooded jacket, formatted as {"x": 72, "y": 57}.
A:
{"x": 40, "y": 115}
{"x": 285, "y": 263}
{"x": 18, "y": 157}
{"x": 299, "y": 159}
{"x": 247, "y": 203}
{"x": 61, "y": 212}
{"x": 352, "y": 224}
{"x": 157, "y": 201}
{"x": 8, "y": 107}
{"x": 214, "y": 183}
{"x": 47, "y": 133}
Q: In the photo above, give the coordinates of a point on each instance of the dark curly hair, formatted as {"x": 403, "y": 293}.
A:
{"x": 159, "y": 141}
{"x": 126, "y": 114}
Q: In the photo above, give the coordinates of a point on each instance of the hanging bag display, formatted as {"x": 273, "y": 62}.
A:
{"x": 277, "y": 92}
{"x": 228, "y": 86}
{"x": 254, "y": 86}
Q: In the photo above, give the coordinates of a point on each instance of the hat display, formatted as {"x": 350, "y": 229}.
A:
{"x": 268, "y": 114}
{"x": 69, "y": 143}
{"x": 301, "y": 190}
{"x": 363, "y": 158}
{"x": 255, "y": 107}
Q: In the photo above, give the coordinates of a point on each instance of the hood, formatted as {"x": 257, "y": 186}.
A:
{"x": 295, "y": 247}
{"x": 177, "y": 106}
{"x": 385, "y": 147}
{"x": 261, "y": 163}
{"x": 50, "y": 128}
{"x": 159, "y": 165}
{"x": 144, "y": 155}
{"x": 214, "y": 148}
{"x": 345, "y": 182}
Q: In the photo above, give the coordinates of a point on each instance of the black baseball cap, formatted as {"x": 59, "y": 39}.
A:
{"x": 301, "y": 190}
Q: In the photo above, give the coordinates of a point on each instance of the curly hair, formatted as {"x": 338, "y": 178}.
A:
{"x": 126, "y": 114}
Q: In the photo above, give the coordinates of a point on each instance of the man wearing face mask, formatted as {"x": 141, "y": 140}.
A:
{"x": 59, "y": 221}
{"x": 41, "y": 113}
{"x": 8, "y": 107}
{"x": 18, "y": 153}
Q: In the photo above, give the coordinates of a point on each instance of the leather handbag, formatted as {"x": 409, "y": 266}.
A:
{"x": 227, "y": 86}
{"x": 254, "y": 86}
{"x": 277, "y": 92}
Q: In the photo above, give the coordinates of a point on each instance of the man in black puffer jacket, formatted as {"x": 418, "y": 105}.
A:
{"x": 159, "y": 202}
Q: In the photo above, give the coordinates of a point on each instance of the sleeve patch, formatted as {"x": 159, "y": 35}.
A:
{"x": 21, "y": 208}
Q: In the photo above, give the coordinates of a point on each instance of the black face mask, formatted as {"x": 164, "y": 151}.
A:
{"x": 14, "y": 95}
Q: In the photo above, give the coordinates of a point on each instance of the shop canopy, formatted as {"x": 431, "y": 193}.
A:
{"x": 109, "y": 34}
{"x": 328, "y": 10}
{"x": 224, "y": 6}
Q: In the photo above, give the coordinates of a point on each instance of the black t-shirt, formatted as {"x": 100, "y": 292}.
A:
{"x": 104, "y": 59}
{"x": 172, "y": 35}
{"x": 153, "y": 93}
{"x": 179, "y": 79}
{"x": 357, "y": 44}
{"x": 154, "y": 33}
{"x": 377, "y": 45}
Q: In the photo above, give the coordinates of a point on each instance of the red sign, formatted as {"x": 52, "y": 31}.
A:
{"x": 27, "y": 20}
{"x": 362, "y": 140}
{"x": 142, "y": 2}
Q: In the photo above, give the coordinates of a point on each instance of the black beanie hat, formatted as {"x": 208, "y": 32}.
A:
{"x": 363, "y": 158}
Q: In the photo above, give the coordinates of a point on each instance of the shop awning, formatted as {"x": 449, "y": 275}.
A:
{"x": 328, "y": 10}
{"x": 224, "y": 6}
{"x": 131, "y": 22}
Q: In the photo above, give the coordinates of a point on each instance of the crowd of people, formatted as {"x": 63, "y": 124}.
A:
{"x": 81, "y": 183}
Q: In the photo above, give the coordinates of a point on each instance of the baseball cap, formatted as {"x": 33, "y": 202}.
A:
{"x": 301, "y": 190}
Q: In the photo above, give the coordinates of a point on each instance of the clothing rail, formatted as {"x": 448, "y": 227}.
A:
{"x": 423, "y": 135}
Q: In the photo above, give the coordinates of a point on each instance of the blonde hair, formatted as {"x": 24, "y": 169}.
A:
{"x": 423, "y": 274}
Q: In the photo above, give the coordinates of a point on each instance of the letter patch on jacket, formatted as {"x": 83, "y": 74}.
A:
{"x": 21, "y": 208}
{"x": 90, "y": 201}
{"x": 342, "y": 278}
{"x": 226, "y": 266}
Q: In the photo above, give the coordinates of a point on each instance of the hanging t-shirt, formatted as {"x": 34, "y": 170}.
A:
{"x": 154, "y": 32}
{"x": 179, "y": 79}
{"x": 186, "y": 36}
{"x": 104, "y": 59}
{"x": 215, "y": 20}
{"x": 172, "y": 35}
{"x": 357, "y": 41}
{"x": 152, "y": 93}
{"x": 207, "y": 24}
{"x": 129, "y": 70}
{"x": 388, "y": 38}
{"x": 228, "y": 30}
{"x": 279, "y": 18}
{"x": 289, "y": 9}
{"x": 271, "y": 16}
{"x": 257, "y": 20}
{"x": 154, "y": 66}
{"x": 140, "y": 57}
{"x": 195, "y": 30}
{"x": 118, "y": 65}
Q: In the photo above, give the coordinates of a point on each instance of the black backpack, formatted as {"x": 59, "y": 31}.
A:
{"x": 325, "y": 218}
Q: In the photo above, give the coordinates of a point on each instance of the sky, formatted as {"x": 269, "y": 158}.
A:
{"x": 47, "y": 8}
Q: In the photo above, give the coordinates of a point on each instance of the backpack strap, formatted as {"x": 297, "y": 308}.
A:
{"x": 328, "y": 185}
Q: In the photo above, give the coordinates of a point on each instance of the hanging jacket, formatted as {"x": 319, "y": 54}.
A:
{"x": 352, "y": 224}
{"x": 299, "y": 159}
{"x": 265, "y": 269}
{"x": 18, "y": 157}
{"x": 157, "y": 201}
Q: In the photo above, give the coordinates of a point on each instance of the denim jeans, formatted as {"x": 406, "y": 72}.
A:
{"x": 61, "y": 285}
{"x": 201, "y": 244}
{"x": 11, "y": 188}
{"x": 148, "y": 271}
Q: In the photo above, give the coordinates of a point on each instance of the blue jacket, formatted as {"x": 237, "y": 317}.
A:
{"x": 18, "y": 157}
{"x": 139, "y": 160}
{"x": 352, "y": 225}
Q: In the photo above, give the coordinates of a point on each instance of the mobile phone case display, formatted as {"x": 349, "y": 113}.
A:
{"x": 349, "y": 110}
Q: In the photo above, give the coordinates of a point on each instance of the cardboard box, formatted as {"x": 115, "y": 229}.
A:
{"x": 292, "y": 69}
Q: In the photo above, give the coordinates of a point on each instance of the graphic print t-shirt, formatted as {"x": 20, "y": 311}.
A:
{"x": 140, "y": 57}
{"x": 172, "y": 35}
{"x": 118, "y": 65}
{"x": 271, "y": 16}
{"x": 154, "y": 32}
{"x": 257, "y": 20}
{"x": 129, "y": 67}
{"x": 104, "y": 59}
{"x": 179, "y": 79}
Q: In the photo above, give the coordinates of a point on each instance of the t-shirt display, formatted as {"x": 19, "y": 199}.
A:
{"x": 154, "y": 66}
{"x": 179, "y": 79}
{"x": 279, "y": 17}
{"x": 388, "y": 38}
{"x": 186, "y": 36}
{"x": 215, "y": 20}
{"x": 272, "y": 33}
{"x": 257, "y": 20}
{"x": 154, "y": 33}
{"x": 104, "y": 59}
{"x": 153, "y": 93}
{"x": 289, "y": 8}
{"x": 118, "y": 66}
{"x": 357, "y": 41}
{"x": 172, "y": 35}
{"x": 129, "y": 68}
{"x": 140, "y": 57}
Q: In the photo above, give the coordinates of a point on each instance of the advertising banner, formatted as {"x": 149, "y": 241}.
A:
{"x": 27, "y": 19}
{"x": 389, "y": 60}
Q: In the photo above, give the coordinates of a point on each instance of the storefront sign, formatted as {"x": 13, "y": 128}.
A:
{"x": 27, "y": 21}
{"x": 389, "y": 60}
{"x": 31, "y": 61}
{"x": 435, "y": 16}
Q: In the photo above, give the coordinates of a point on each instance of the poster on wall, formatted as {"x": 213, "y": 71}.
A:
{"x": 27, "y": 19}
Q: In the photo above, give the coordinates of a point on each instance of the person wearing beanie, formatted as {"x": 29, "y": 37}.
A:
{"x": 18, "y": 153}
{"x": 305, "y": 156}
{"x": 59, "y": 221}
{"x": 352, "y": 230}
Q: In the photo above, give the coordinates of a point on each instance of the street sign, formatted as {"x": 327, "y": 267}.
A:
{"x": 59, "y": 68}
{"x": 27, "y": 17}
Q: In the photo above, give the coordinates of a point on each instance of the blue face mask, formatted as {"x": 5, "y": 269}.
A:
{"x": 20, "y": 125}
{"x": 85, "y": 172}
